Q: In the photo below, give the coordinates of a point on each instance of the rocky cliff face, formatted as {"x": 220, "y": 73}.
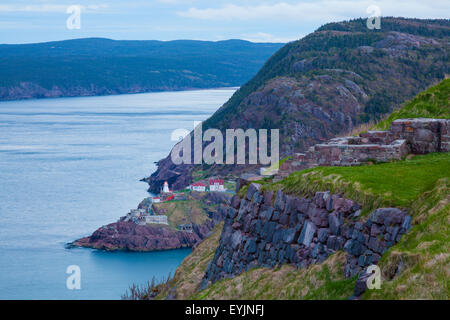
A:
{"x": 132, "y": 237}
{"x": 326, "y": 83}
{"x": 128, "y": 235}
{"x": 406, "y": 136}
{"x": 265, "y": 230}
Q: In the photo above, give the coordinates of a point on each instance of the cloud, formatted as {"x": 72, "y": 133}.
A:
{"x": 47, "y": 8}
{"x": 266, "y": 37}
{"x": 322, "y": 10}
{"x": 170, "y": 1}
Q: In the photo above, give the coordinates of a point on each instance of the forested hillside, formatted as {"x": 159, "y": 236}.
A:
{"x": 326, "y": 84}
{"x": 97, "y": 66}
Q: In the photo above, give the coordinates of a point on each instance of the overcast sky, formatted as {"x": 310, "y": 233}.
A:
{"x": 255, "y": 20}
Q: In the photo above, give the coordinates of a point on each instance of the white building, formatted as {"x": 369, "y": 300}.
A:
{"x": 156, "y": 199}
{"x": 198, "y": 186}
{"x": 166, "y": 187}
{"x": 159, "y": 219}
{"x": 216, "y": 185}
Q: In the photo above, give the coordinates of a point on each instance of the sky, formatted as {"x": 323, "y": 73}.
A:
{"x": 254, "y": 20}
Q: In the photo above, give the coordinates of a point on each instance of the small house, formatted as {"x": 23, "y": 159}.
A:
{"x": 156, "y": 199}
{"x": 198, "y": 186}
{"x": 157, "y": 219}
{"x": 216, "y": 185}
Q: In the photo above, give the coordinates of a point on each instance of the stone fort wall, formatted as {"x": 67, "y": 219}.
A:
{"x": 406, "y": 136}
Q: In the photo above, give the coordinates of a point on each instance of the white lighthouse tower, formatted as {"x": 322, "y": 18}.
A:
{"x": 166, "y": 187}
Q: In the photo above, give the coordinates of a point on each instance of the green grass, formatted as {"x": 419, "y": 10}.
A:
{"x": 424, "y": 252}
{"x": 198, "y": 175}
{"x": 183, "y": 211}
{"x": 396, "y": 183}
{"x": 420, "y": 184}
{"x": 325, "y": 281}
{"x": 432, "y": 103}
{"x": 189, "y": 274}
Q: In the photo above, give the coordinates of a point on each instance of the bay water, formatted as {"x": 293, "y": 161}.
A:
{"x": 71, "y": 165}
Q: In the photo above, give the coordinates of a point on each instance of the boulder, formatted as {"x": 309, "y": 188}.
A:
{"x": 319, "y": 199}
{"x": 235, "y": 202}
{"x": 276, "y": 215}
{"x": 302, "y": 205}
{"x": 322, "y": 234}
{"x": 307, "y": 234}
{"x": 289, "y": 235}
{"x": 407, "y": 223}
{"x": 284, "y": 218}
{"x": 353, "y": 247}
{"x": 280, "y": 201}
{"x": 231, "y": 213}
{"x": 236, "y": 239}
{"x": 361, "y": 283}
{"x": 278, "y": 235}
{"x": 251, "y": 245}
{"x": 391, "y": 215}
{"x": 334, "y": 223}
{"x": 268, "y": 196}
{"x": 252, "y": 188}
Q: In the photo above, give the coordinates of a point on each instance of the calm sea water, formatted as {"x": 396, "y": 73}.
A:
{"x": 68, "y": 166}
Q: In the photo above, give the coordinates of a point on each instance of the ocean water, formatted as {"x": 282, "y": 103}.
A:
{"x": 71, "y": 165}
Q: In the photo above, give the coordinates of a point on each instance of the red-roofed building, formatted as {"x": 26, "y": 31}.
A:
{"x": 156, "y": 200}
{"x": 216, "y": 185}
{"x": 198, "y": 186}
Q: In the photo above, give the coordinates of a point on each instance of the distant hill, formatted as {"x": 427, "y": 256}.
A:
{"x": 97, "y": 66}
{"x": 326, "y": 84}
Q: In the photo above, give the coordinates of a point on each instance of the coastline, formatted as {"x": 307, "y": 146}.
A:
{"x": 134, "y": 233}
{"x": 117, "y": 93}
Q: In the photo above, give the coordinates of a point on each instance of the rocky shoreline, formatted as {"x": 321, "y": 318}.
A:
{"x": 128, "y": 236}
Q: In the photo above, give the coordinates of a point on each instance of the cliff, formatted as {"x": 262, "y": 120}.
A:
{"x": 129, "y": 236}
{"x": 312, "y": 234}
{"x": 200, "y": 211}
{"x": 310, "y": 243}
{"x": 326, "y": 84}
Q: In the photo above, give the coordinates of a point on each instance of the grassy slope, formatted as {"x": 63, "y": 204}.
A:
{"x": 396, "y": 183}
{"x": 432, "y": 103}
{"x": 421, "y": 183}
{"x": 424, "y": 253}
{"x": 323, "y": 281}
{"x": 190, "y": 273}
{"x": 182, "y": 211}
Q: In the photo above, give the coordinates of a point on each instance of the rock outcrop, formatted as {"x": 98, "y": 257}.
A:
{"x": 132, "y": 237}
{"x": 265, "y": 230}
{"x": 406, "y": 136}
{"x": 136, "y": 235}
